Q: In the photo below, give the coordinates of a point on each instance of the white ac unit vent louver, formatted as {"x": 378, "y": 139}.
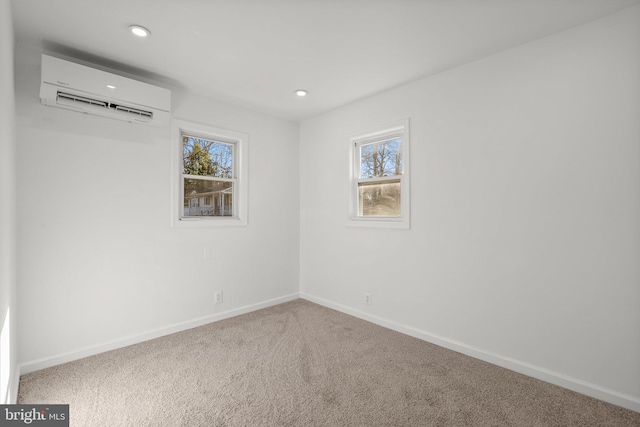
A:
{"x": 88, "y": 90}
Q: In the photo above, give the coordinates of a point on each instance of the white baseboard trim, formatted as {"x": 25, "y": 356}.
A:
{"x": 47, "y": 362}
{"x": 12, "y": 399}
{"x": 556, "y": 378}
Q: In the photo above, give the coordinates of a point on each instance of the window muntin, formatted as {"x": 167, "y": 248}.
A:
{"x": 380, "y": 195}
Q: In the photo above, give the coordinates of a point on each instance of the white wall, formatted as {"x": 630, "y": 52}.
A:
{"x": 8, "y": 310}
{"x": 524, "y": 247}
{"x": 98, "y": 259}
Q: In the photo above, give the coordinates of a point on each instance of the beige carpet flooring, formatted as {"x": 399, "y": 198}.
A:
{"x": 300, "y": 364}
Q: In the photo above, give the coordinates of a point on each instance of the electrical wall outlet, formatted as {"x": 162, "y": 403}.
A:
{"x": 367, "y": 298}
{"x": 217, "y": 297}
{"x": 207, "y": 253}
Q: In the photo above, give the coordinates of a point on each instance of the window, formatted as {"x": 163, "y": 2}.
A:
{"x": 207, "y": 173}
{"x": 210, "y": 185}
{"x": 380, "y": 176}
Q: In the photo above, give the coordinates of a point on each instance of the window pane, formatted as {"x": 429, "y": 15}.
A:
{"x": 381, "y": 158}
{"x": 379, "y": 199}
{"x": 206, "y": 158}
{"x": 207, "y": 198}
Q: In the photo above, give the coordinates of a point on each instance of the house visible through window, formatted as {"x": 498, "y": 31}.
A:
{"x": 380, "y": 176}
{"x": 212, "y": 175}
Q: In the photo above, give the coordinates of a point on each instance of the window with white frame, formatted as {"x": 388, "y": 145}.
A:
{"x": 210, "y": 185}
{"x": 380, "y": 176}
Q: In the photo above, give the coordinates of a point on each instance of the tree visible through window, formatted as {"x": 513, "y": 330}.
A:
{"x": 381, "y": 159}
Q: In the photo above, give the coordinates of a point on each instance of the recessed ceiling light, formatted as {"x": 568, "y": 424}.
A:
{"x": 301, "y": 92}
{"x": 139, "y": 31}
{"x": 111, "y": 86}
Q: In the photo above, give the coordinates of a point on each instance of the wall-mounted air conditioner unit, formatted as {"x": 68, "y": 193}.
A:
{"x": 87, "y": 90}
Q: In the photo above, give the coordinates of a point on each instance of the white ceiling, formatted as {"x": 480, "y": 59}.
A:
{"x": 255, "y": 53}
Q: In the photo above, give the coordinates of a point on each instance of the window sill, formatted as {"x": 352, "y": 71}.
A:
{"x": 208, "y": 222}
{"x": 392, "y": 223}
